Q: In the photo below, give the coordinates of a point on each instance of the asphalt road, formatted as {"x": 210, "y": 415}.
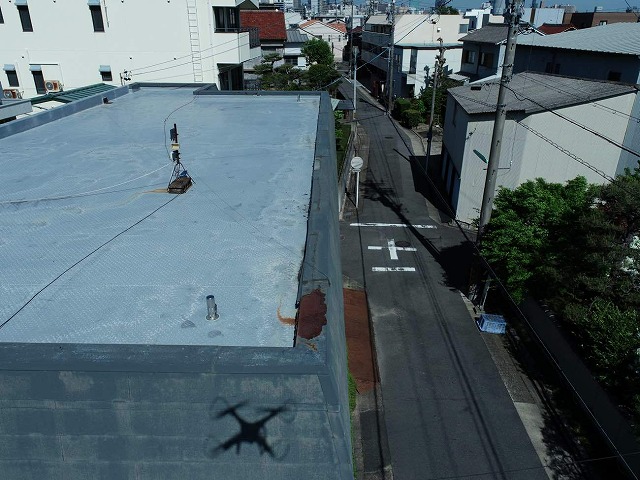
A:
{"x": 447, "y": 412}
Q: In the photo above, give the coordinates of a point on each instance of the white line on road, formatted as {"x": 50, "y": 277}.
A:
{"x": 393, "y": 250}
{"x": 393, "y": 269}
{"x": 399, "y": 225}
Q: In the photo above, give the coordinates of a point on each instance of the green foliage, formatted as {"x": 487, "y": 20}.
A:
{"x": 577, "y": 247}
{"x": 444, "y": 84}
{"x": 409, "y": 111}
{"x": 319, "y": 76}
{"x": 517, "y": 240}
{"x": 317, "y": 51}
{"x": 447, "y": 11}
{"x": 353, "y": 392}
{"x": 612, "y": 337}
{"x": 411, "y": 118}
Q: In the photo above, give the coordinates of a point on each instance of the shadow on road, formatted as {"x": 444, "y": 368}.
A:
{"x": 455, "y": 259}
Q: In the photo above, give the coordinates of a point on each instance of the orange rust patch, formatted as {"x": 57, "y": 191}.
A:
{"x": 312, "y": 315}
{"x": 312, "y": 346}
{"x": 285, "y": 320}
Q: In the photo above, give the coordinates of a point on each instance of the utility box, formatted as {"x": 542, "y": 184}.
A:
{"x": 491, "y": 323}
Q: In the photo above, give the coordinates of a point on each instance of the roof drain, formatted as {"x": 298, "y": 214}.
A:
{"x": 212, "y": 308}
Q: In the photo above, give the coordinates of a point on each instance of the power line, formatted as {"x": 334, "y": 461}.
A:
{"x": 573, "y": 122}
{"x": 84, "y": 258}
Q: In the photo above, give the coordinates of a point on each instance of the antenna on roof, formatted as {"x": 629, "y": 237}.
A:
{"x": 180, "y": 180}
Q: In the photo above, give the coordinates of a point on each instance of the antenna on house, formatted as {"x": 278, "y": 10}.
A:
{"x": 180, "y": 180}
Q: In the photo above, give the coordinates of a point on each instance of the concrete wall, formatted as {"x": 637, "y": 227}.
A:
{"x": 478, "y": 71}
{"x": 538, "y": 16}
{"x": 137, "y": 36}
{"x": 574, "y": 63}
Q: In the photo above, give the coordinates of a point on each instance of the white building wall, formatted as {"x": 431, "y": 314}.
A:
{"x": 525, "y": 156}
{"x": 336, "y": 39}
{"x": 151, "y": 41}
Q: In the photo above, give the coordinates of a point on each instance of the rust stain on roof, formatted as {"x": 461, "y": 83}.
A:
{"x": 285, "y": 320}
{"x": 312, "y": 315}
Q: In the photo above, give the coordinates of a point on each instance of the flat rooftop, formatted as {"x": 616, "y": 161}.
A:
{"x": 93, "y": 251}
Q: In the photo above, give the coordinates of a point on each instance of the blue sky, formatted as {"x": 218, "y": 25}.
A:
{"x": 581, "y": 5}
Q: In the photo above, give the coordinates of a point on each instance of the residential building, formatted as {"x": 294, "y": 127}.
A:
{"x": 415, "y": 49}
{"x": 271, "y": 31}
{"x": 552, "y": 29}
{"x": 610, "y": 52}
{"x": 598, "y": 18}
{"x": 479, "y": 17}
{"x": 536, "y": 16}
{"x": 334, "y": 32}
{"x": 483, "y": 51}
{"x": 548, "y": 133}
{"x": 293, "y": 49}
{"x": 52, "y": 46}
{"x": 153, "y": 335}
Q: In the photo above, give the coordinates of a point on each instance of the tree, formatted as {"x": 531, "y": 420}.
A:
{"x": 319, "y": 76}
{"x": 610, "y": 337}
{"x": 317, "y": 51}
{"x": 447, "y": 11}
{"x": 520, "y": 239}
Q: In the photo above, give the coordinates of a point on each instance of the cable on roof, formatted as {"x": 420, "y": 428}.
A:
{"x": 84, "y": 258}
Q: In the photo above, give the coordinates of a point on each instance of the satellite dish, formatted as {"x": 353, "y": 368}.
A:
{"x": 356, "y": 164}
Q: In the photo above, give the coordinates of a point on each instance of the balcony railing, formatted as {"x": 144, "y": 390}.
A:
{"x": 254, "y": 37}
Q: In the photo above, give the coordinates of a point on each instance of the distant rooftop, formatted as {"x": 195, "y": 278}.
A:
{"x": 93, "y": 250}
{"x": 617, "y": 38}
{"x": 270, "y": 23}
{"x": 492, "y": 33}
{"x": 295, "y": 36}
{"x": 553, "y": 28}
{"x": 550, "y": 91}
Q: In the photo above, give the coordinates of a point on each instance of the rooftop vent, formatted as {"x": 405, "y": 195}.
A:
{"x": 212, "y": 308}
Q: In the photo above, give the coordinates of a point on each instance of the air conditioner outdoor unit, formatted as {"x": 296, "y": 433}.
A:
{"x": 11, "y": 93}
{"x": 53, "y": 86}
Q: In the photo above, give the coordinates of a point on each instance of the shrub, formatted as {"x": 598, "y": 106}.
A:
{"x": 411, "y": 118}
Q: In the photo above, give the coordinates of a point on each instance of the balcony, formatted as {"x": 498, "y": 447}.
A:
{"x": 379, "y": 39}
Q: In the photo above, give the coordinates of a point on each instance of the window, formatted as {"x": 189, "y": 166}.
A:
{"x": 227, "y": 19}
{"x": 614, "y": 76}
{"x": 96, "y": 17}
{"x": 468, "y": 56}
{"x": 38, "y": 80}
{"x": 25, "y": 18}
{"x": 486, "y": 60}
{"x": 12, "y": 78}
{"x": 464, "y": 28}
{"x": 291, "y": 61}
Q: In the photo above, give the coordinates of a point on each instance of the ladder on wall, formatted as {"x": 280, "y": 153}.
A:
{"x": 194, "y": 40}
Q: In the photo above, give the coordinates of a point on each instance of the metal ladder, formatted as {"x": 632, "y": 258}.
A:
{"x": 194, "y": 40}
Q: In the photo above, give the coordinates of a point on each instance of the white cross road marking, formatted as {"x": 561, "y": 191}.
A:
{"x": 399, "y": 225}
{"x": 393, "y": 269}
{"x": 393, "y": 250}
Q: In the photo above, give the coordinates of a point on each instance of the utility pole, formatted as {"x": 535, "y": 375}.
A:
{"x": 354, "y": 59}
{"x": 438, "y": 65}
{"x": 512, "y": 15}
{"x": 392, "y": 14}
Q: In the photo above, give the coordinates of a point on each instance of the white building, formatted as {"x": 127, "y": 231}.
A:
{"x": 48, "y": 46}
{"x": 536, "y": 143}
{"x": 415, "y": 47}
{"x": 332, "y": 32}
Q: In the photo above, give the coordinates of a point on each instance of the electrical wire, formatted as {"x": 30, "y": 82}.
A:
{"x": 84, "y": 258}
{"x": 573, "y": 122}
{"x": 485, "y": 263}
